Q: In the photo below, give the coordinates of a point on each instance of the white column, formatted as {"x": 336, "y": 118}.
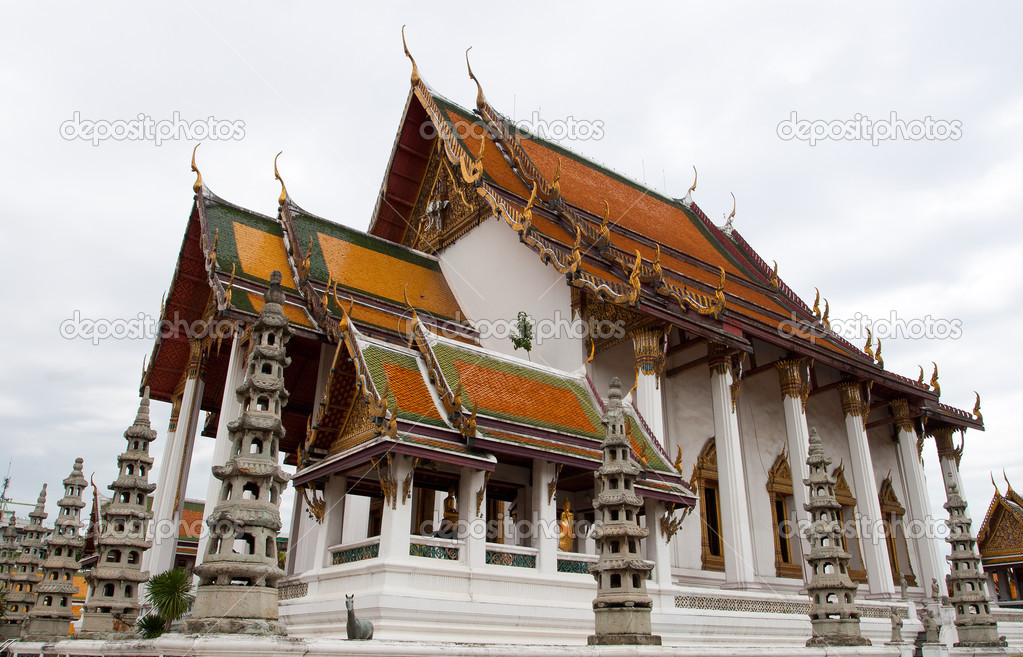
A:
{"x": 875, "y": 557}
{"x": 297, "y": 509}
{"x": 657, "y": 543}
{"x": 170, "y": 488}
{"x": 649, "y": 352}
{"x": 330, "y": 529}
{"x": 396, "y": 523}
{"x": 931, "y": 565}
{"x": 736, "y": 528}
{"x": 797, "y": 435}
{"x": 472, "y": 523}
{"x": 230, "y": 410}
{"x": 544, "y": 517}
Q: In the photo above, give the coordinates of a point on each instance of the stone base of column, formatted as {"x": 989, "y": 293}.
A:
{"x": 10, "y": 631}
{"x": 235, "y": 610}
{"x": 46, "y": 629}
{"x": 623, "y": 626}
{"x": 839, "y": 638}
{"x": 108, "y": 626}
{"x": 979, "y": 636}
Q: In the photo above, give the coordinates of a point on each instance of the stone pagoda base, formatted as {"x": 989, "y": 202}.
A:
{"x": 106, "y": 626}
{"x": 623, "y": 626}
{"x": 10, "y": 631}
{"x": 41, "y": 629}
{"x": 979, "y": 636}
{"x": 235, "y": 610}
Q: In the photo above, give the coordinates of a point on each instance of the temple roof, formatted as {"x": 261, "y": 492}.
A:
{"x": 454, "y": 401}
{"x": 1000, "y": 537}
{"x": 620, "y": 242}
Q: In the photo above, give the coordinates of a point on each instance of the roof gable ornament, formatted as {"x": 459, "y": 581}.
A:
{"x": 283, "y": 198}
{"x": 687, "y": 200}
{"x": 415, "y": 70}
{"x": 934, "y": 380}
{"x": 727, "y": 227}
{"x": 197, "y": 185}
{"x": 817, "y": 304}
{"x": 481, "y": 102}
{"x": 977, "y": 414}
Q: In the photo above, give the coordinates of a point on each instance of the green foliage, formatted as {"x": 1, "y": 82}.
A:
{"x": 150, "y": 627}
{"x": 523, "y": 336}
{"x": 170, "y": 593}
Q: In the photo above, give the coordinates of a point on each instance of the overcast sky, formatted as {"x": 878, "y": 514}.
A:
{"x": 913, "y": 226}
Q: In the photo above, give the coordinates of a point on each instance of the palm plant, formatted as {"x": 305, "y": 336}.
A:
{"x": 150, "y": 626}
{"x": 170, "y": 594}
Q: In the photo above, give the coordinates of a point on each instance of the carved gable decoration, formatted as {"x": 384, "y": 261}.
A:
{"x": 889, "y": 502}
{"x": 358, "y": 428}
{"x": 446, "y": 209}
{"x": 1002, "y": 532}
{"x": 779, "y": 478}
{"x": 843, "y": 494}
{"x": 707, "y": 462}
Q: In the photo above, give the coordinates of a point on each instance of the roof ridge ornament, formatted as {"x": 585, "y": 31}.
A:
{"x": 481, "y": 102}
{"x": 687, "y": 200}
{"x": 283, "y": 198}
{"x": 867, "y": 348}
{"x": 976, "y": 411}
{"x": 774, "y": 274}
{"x": 877, "y": 355}
{"x": 934, "y": 380}
{"x": 824, "y": 317}
{"x": 197, "y": 185}
{"x": 817, "y": 304}
{"x": 727, "y": 227}
{"x": 415, "y": 79}
{"x": 920, "y": 379}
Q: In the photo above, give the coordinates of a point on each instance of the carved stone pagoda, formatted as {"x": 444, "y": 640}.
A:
{"x": 833, "y": 613}
{"x": 966, "y": 582}
{"x": 7, "y": 551}
{"x": 21, "y": 591}
{"x": 238, "y": 579}
{"x": 114, "y": 581}
{"x": 52, "y": 614}
{"x": 622, "y": 606}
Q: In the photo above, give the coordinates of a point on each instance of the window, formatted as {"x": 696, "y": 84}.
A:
{"x": 892, "y": 513}
{"x": 850, "y": 533}
{"x": 705, "y": 483}
{"x": 787, "y": 557}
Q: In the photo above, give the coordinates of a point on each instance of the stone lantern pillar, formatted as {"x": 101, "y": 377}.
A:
{"x": 622, "y": 606}
{"x": 833, "y": 613}
{"x": 237, "y": 590}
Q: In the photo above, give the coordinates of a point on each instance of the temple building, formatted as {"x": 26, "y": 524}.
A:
{"x": 1000, "y": 542}
{"x": 432, "y": 455}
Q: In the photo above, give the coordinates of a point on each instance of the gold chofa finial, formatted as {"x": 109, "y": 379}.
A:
{"x": 867, "y": 348}
{"x": 283, "y": 198}
{"x": 732, "y": 216}
{"x": 415, "y": 69}
{"x": 696, "y": 176}
{"x": 774, "y": 274}
{"x": 197, "y": 185}
{"x": 935, "y": 386}
{"x": 480, "y": 101}
{"x": 920, "y": 379}
{"x": 817, "y": 304}
{"x": 824, "y": 317}
{"x": 997, "y": 492}
{"x": 877, "y": 356}
{"x": 976, "y": 408}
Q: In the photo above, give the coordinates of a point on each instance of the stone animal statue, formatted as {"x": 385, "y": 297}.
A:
{"x": 358, "y": 630}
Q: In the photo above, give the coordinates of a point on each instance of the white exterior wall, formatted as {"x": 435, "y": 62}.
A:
{"x": 763, "y": 437}
{"x": 689, "y": 423}
{"x": 493, "y": 277}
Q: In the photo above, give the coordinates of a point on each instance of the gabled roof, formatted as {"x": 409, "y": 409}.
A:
{"x": 1000, "y": 537}
{"x": 419, "y": 402}
{"x": 617, "y": 240}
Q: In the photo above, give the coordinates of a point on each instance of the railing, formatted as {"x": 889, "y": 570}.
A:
{"x": 357, "y": 551}
{"x": 431, "y": 547}
{"x": 517, "y": 556}
{"x": 575, "y": 562}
